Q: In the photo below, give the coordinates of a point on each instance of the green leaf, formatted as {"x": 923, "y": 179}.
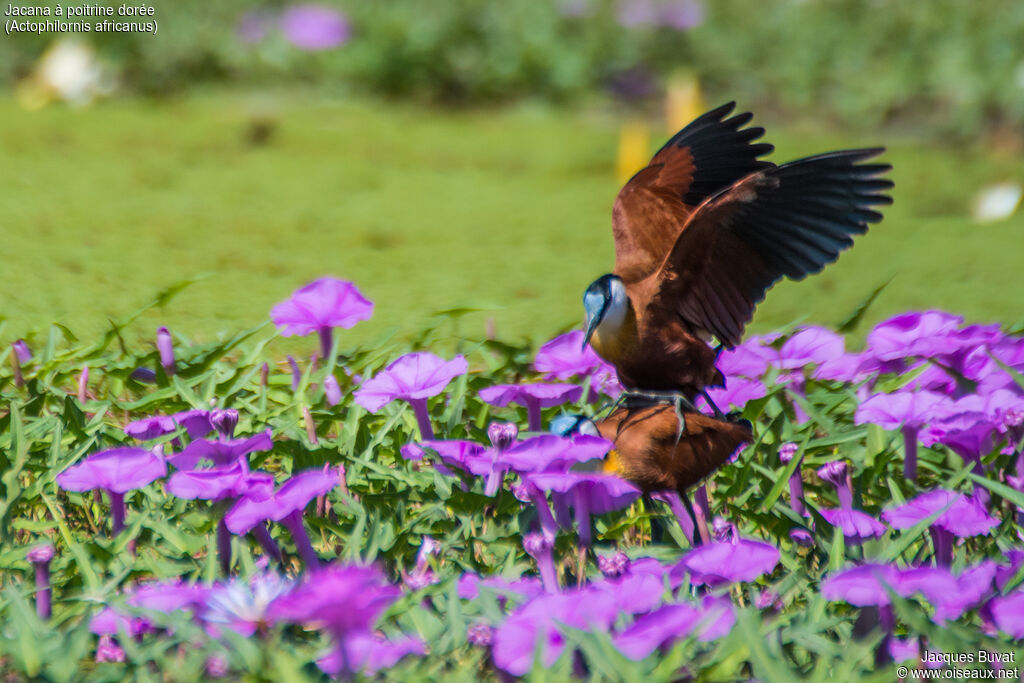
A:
{"x": 854, "y": 317}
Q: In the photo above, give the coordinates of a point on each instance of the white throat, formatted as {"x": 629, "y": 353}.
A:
{"x": 615, "y": 313}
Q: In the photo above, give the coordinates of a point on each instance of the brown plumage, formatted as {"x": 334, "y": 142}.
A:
{"x": 648, "y": 453}
{"x": 705, "y": 230}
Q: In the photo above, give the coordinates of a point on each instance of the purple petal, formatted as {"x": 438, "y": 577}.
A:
{"x": 810, "y": 345}
{"x": 549, "y": 452}
{"x": 196, "y": 422}
{"x": 347, "y": 599}
{"x": 911, "y": 408}
{"x": 913, "y": 334}
{"x": 964, "y": 516}
{"x": 118, "y": 470}
{"x": 368, "y": 653}
{"x": 546, "y": 395}
{"x": 220, "y": 452}
{"x": 604, "y": 492}
{"x": 856, "y": 525}
{"x": 304, "y": 487}
{"x": 414, "y": 375}
{"x": 217, "y": 484}
{"x": 151, "y": 427}
{"x": 327, "y": 302}
{"x": 737, "y": 392}
{"x": 716, "y": 563}
{"x": 1008, "y": 613}
{"x": 862, "y": 586}
{"x": 314, "y": 27}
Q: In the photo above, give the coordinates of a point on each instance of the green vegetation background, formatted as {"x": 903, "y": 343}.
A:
{"x": 503, "y": 209}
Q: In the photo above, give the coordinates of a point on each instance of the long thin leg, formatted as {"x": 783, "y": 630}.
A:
{"x": 693, "y": 515}
{"x": 718, "y": 412}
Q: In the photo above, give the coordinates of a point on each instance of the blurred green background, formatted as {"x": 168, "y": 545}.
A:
{"x": 468, "y": 154}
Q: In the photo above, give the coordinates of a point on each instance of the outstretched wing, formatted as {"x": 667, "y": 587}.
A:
{"x": 790, "y": 220}
{"x": 707, "y": 156}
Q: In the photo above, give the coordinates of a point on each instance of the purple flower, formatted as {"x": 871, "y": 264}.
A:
{"x": 539, "y": 546}
{"x": 321, "y": 306}
{"x": 908, "y": 411}
{"x": 811, "y": 345}
{"x": 613, "y": 565}
{"x": 220, "y": 452}
{"x": 544, "y": 453}
{"x": 801, "y": 537}
{"x": 587, "y": 493}
{"x": 286, "y": 505}
{"x": 551, "y": 453}
{"x": 533, "y": 396}
{"x": 857, "y": 526}
{"x": 347, "y": 601}
{"x": 221, "y": 483}
{"x": 862, "y": 586}
{"x": 736, "y": 393}
{"x": 107, "y": 650}
{"x": 749, "y": 359}
{"x": 21, "y": 351}
{"x": 369, "y": 653}
{"x": 718, "y": 563}
{"x": 481, "y": 635}
{"x": 151, "y": 427}
{"x": 331, "y": 390}
{"x": 165, "y": 345}
{"x": 414, "y": 377}
{"x": 539, "y": 620}
{"x": 963, "y": 517}
{"x": 712, "y": 619}
{"x": 468, "y": 587}
{"x": 564, "y": 357}
{"x": 217, "y": 666}
{"x": 143, "y": 375}
{"x": 344, "y": 599}
{"x": 117, "y": 471}
{"x": 224, "y": 421}
{"x": 196, "y": 422}
{"x": 1008, "y": 613}
{"x": 836, "y": 474}
{"x": 912, "y": 334}
{"x": 314, "y": 27}
{"x": 502, "y": 434}
{"x": 169, "y": 596}
{"x": 40, "y": 557}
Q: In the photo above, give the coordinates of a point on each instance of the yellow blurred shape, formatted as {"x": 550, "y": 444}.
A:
{"x": 32, "y": 95}
{"x": 683, "y": 100}
{"x": 634, "y": 149}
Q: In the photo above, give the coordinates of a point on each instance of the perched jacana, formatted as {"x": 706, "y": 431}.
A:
{"x": 703, "y": 232}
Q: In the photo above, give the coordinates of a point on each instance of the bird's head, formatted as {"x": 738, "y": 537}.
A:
{"x": 568, "y": 425}
{"x": 606, "y": 305}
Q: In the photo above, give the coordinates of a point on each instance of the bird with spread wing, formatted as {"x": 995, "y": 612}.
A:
{"x": 703, "y": 232}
